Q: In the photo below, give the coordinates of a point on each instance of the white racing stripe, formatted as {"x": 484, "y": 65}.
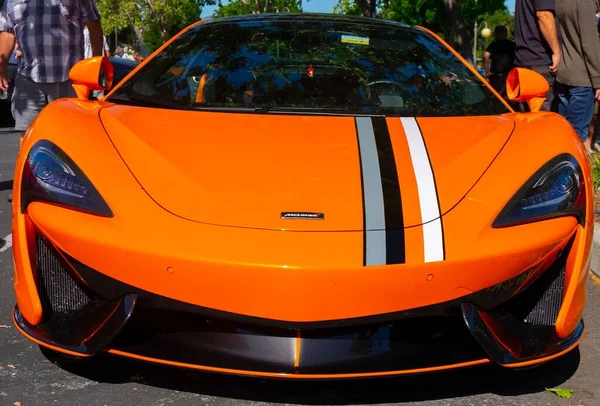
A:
{"x": 7, "y": 243}
{"x": 433, "y": 236}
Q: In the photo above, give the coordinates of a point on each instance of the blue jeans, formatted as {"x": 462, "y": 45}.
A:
{"x": 576, "y": 104}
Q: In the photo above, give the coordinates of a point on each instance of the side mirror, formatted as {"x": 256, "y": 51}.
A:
{"x": 92, "y": 74}
{"x": 527, "y": 86}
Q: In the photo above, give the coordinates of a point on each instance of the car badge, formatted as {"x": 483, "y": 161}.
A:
{"x": 295, "y": 215}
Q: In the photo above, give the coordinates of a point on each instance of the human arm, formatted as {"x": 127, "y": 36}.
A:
{"x": 547, "y": 23}
{"x": 92, "y": 17}
{"x": 486, "y": 63}
{"x": 546, "y": 17}
{"x": 106, "y": 48}
{"x": 590, "y": 43}
{"x": 96, "y": 37}
{"x": 7, "y": 44}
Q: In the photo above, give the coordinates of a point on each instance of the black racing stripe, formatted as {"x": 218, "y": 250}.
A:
{"x": 362, "y": 193}
{"x": 392, "y": 199}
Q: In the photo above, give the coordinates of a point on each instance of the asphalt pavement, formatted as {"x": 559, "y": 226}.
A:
{"x": 29, "y": 376}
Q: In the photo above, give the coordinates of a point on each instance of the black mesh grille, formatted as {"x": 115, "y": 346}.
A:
{"x": 59, "y": 293}
{"x": 545, "y": 311}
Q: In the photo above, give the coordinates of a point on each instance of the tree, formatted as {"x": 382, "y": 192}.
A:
{"x": 359, "y": 7}
{"x": 457, "y": 31}
{"x": 452, "y": 19}
{"x": 166, "y": 17}
{"x": 241, "y": 7}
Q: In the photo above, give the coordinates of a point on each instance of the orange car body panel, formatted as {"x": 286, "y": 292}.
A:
{"x": 311, "y": 276}
{"x": 244, "y": 170}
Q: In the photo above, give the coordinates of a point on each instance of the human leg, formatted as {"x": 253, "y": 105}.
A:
{"x": 576, "y": 104}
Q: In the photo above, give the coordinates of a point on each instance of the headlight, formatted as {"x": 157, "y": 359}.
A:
{"x": 51, "y": 176}
{"x": 556, "y": 190}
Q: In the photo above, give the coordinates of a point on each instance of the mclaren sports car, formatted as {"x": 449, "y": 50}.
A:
{"x": 303, "y": 196}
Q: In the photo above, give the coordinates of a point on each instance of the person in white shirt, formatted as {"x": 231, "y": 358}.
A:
{"x": 88, "y": 44}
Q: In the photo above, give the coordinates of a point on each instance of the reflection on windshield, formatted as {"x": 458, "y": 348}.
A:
{"x": 310, "y": 65}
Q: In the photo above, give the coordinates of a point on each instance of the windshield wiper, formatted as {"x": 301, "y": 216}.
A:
{"x": 143, "y": 102}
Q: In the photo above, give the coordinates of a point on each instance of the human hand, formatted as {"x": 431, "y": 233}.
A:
{"x": 3, "y": 77}
{"x": 597, "y": 95}
{"x": 555, "y": 61}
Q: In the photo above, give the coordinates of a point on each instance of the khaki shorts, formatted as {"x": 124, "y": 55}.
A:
{"x": 30, "y": 98}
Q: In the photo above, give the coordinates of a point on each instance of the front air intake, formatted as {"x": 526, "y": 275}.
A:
{"x": 546, "y": 309}
{"x": 70, "y": 312}
{"x": 59, "y": 293}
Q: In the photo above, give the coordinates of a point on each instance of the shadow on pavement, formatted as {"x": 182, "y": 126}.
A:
{"x": 454, "y": 384}
{"x": 6, "y": 185}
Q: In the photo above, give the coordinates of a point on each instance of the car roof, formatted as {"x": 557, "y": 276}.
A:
{"x": 329, "y": 17}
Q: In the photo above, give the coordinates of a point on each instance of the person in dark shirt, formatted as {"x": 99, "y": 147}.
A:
{"x": 594, "y": 128}
{"x": 538, "y": 42}
{"x": 578, "y": 78}
{"x": 501, "y": 54}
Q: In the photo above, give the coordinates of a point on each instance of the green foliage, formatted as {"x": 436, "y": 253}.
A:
{"x": 347, "y": 7}
{"x": 415, "y": 12}
{"x": 166, "y": 17}
{"x": 358, "y": 7}
{"x": 431, "y": 13}
{"x": 561, "y": 393}
{"x": 242, "y": 7}
{"x": 596, "y": 172}
{"x": 435, "y": 14}
{"x": 118, "y": 14}
{"x": 472, "y": 10}
{"x": 152, "y": 37}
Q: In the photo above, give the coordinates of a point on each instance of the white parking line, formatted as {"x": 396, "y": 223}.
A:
{"x": 7, "y": 243}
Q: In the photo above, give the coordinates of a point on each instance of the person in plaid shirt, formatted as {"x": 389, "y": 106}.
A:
{"x": 50, "y": 35}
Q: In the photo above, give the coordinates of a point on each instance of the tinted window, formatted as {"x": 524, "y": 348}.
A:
{"x": 310, "y": 65}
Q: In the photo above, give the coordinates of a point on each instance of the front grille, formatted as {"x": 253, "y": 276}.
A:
{"x": 539, "y": 303}
{"x": 545, "y": 311}
{"x": 70, "y": 312}
{"x": 59, "y": 293}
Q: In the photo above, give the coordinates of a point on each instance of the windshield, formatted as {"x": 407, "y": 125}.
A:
{"x": 310, "y": 66}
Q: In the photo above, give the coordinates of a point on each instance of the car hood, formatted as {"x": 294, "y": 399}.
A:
{"x": 332, "y": 173}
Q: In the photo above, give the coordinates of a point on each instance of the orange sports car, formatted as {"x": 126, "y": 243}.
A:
{"x": 303, "y": 196}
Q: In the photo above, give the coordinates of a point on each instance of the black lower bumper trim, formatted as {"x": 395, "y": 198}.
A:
{"x": 509, "y": 341}
{"x": 189, "y": 338}
{"x": 96, "y": 333}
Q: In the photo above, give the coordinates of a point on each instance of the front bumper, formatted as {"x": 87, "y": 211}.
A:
{"x": 512, "y": 324}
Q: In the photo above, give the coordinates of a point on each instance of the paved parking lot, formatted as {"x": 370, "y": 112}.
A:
{"x": 28, "y": 375}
